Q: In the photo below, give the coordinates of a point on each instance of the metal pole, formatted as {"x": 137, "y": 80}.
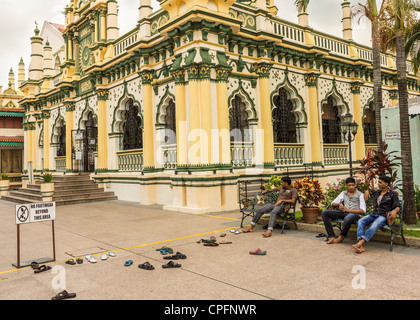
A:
{"x": 350, "y": 158}
{"x": 18, "y": 246}
{"x": 53, "y": 236}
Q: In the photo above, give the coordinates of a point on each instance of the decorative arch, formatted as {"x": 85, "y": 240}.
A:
{"x": 249, "y": 104}
{"x": 55, "y": 132}
{"x": 341, "y": 103}
{"x": 162, "y": 108}
{"x": 121, "y": 107}
{"x": 294, "y": 96}
{"x": 84, "y": 116}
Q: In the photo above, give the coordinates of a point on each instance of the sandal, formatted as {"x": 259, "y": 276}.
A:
{"x": 42, "y": 268}
{"x": 128, "y": 263}
{"x": 225, "y": 242}
{"x": 111, "y": 254}
{"x": 171, "y": 264}
{"x": 212, "y": 244}
{"x": 258, "y": 252}
{"x": 90, "y": 258}
{"x": 34, "y": 265}
{"x": 177, "y": 256}
{"x": 79, "y": 260}
{"x": 146, "y": 266}
{"x": 63, "y": 295}
{"x": 71, "y": 262}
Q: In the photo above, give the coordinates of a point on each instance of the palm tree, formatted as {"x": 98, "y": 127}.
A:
{"x": 302, "y": 3}
{"x": 401, "y": 13}
{"x": 370, "y": 11}
{"x": 412, "y": 47}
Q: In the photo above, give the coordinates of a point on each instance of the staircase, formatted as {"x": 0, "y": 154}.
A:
{"x": 69, "y": 189}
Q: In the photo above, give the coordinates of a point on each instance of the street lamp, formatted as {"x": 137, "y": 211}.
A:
{"x": 349, "y": 130}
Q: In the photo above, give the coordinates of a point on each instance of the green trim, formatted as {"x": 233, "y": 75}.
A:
{"x": 241, "y": 90}
{"x": 332, "y": 91}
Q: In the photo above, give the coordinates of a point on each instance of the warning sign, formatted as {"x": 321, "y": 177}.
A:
{"x": 35, "y": 212}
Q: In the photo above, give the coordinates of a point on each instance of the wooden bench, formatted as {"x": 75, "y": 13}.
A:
{"x": 396, "y": 228}
{"x": 249, "y": 207}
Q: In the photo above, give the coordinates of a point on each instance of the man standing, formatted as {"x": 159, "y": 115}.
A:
{"x": 351, "y": 204}
{"x": 387, "y": 207}
{"x": 287, "y": 195}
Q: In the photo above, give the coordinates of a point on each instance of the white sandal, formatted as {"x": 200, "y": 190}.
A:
{"x": 90, "y": 258}
{"x": 111, "y": 254}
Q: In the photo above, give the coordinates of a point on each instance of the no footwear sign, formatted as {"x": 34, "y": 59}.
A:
{"x": 35, "y": 212}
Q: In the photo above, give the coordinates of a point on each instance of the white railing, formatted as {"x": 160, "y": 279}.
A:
{"x": 333, "y": 45}
{"x": 288, "y": 32}
{"x": 120, "y": 47}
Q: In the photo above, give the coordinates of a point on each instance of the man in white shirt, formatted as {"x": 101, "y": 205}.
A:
{"x": 351, "y": 205}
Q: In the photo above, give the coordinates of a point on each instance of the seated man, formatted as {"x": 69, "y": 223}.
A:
{"x": 287, "y": 195}
{"x": 351, "y": 204}
{"x": 386, "y": 208}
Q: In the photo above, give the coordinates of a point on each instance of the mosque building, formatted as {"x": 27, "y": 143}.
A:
{"x": 197, "y": 96}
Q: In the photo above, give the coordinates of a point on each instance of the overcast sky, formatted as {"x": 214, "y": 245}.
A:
{"x": 17, "y": 24}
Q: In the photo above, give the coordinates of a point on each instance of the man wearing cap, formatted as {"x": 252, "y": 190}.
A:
{"x": 386, "y": 209}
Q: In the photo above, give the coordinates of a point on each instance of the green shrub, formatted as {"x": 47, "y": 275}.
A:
{"x": 47, "y": 178}
{"x": 4, "y": 176}
{"x": 274, "y": 181}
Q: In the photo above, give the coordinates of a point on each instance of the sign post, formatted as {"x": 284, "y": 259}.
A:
{"x": 34, "y": 212}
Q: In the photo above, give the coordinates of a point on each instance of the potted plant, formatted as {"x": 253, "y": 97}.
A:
{"x": 310, "y": 196}
{"x": 4, "y": 184}
{"x": 274, "y": 182}
{"x": 47, "y": 187}
{"x": 417, "y": 198}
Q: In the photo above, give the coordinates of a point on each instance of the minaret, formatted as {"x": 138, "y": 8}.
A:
{"x": 11, "y": 79}
{"x": 347, "y": 29}
{"x": 112, "y": 21}
{"x": 303, "y": 16}
{"x": 48, "y": 61}
{"x": 35, "y": 70}
{"x": 145, "y": 10}
{"x": 21, "y": 74}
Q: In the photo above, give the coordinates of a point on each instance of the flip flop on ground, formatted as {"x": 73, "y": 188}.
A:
{"x": 171, "y": 264}
{"x": 258, "y": 252}
{"x": 63, "y": 295}
{"x": 146, "y": 266}
{"x": 42, "y": 268}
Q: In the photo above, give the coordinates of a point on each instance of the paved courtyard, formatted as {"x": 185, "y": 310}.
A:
{"x": 297, "y": 264}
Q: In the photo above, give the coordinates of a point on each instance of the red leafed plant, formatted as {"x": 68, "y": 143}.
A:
{"x": 381, "y": 163}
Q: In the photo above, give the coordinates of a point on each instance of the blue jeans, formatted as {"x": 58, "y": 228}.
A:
{"x": 375, "y": 221}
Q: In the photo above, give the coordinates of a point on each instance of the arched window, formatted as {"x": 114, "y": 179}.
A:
{"x": 284, "y": 120}
{"x": 61, "y": 142}
{"x": 170, "y": 123}
{"x": 238, "y": 121}
{"x": 369, "y": 124}
{"x": 131, "y": 127}
{"x": 331, "y": 122}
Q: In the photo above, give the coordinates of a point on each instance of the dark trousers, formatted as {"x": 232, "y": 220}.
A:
{"x": 348, "y": 219}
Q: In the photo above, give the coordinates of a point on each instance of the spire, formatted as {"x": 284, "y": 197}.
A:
{"x": 35, "y": 71}
{"x": 347, "y": 29}
{"x": 11, "y": 79}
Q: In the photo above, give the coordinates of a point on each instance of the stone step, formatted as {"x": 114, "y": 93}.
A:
{"x": 67, "y": 190}
{"x": 79, "y": 196}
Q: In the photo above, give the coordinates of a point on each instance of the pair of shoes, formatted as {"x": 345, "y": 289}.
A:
{"x": 42, "y": 269}
{"x": 176, "y": 256}
{"x": 63, "y": 295}
{"x": 171, "y": 264}
{"x": 146, "y": 266}
{"x": 211, "y": 244}
{"x": 165, "y": 250}
{"x": 108, "y": 254}
{"x": 212, "y": 240}
{"x": 277, "y": 226}
{"x": 90, "y": 258}
{"x": 258, "y": 252}
{"x": 320, "y": 235}
{"x": 236, "y": 231}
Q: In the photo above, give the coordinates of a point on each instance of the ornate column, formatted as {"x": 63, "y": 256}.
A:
{"x": 181, "y": 119}
{"x": 358, "y": 118}
{"x": 194, "y": 149}
{"x": 102, "y": 130}
{"x": 76, "y": 55}
{"x": 205, "y": 114}
{"x": 46, "y": 119}
{"x": 148, "y": 138}
{"x": 263, "y": 71}
{"x": 70, "y": 107}
{"x": 222, "y": 73}
{"x": 311, "y": 80}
